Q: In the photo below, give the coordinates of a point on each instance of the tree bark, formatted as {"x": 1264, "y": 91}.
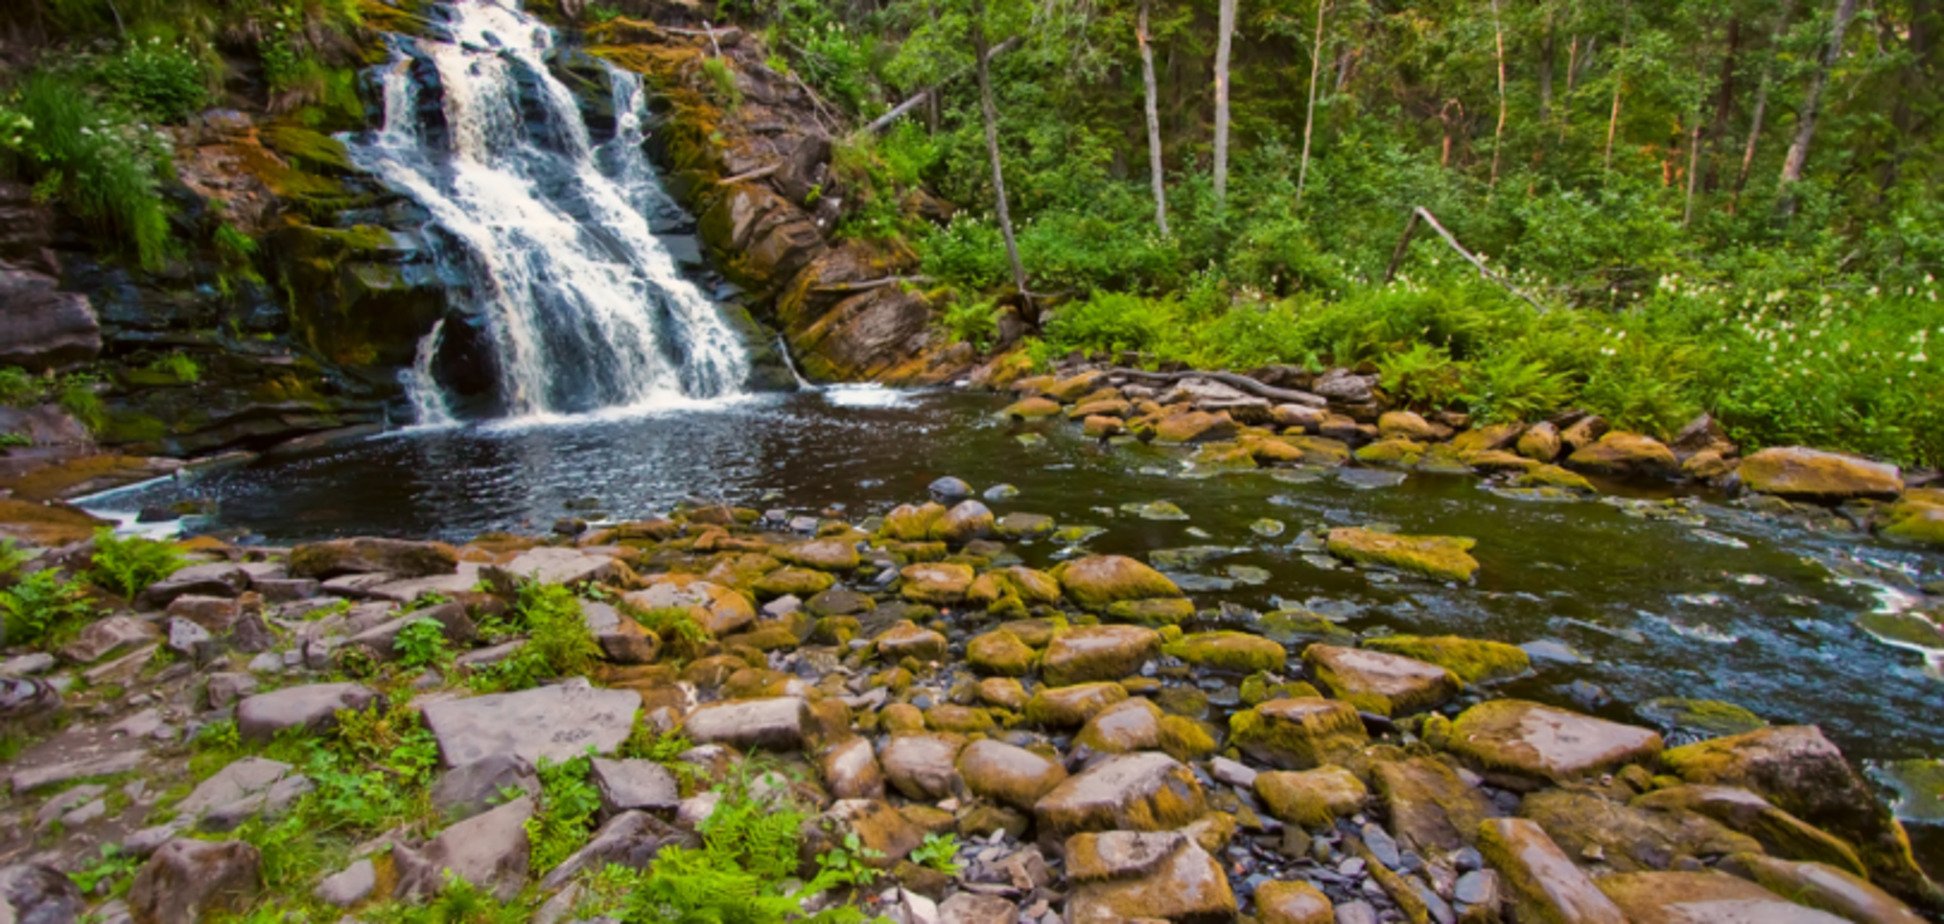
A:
{"x": 1422, "y": 214}
{"x": 990, "y": 112}
{"x": 1309, "y": 114}
{"x": 1798, "y": 155}
{"x": 929, "y": 95}
{"x": 1225, "y": 33}
{"x": 1724, "y": 102}
{"x": 1761, "y": 105}
{"x": 1156, "y": 169}
{"x": 1546, "y": 72}
{"x": 1498, "y": 133}
{"x": 1572, "y": 75}
{"x": 1694, "y": 165}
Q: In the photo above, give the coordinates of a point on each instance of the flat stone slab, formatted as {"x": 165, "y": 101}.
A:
{"x": 312, "y": 706}
{"x": 1704, "y": 898}
{"x": 249, "y": 786}
{"x": 556, "y": 723}
{"x": 1383, "y": 683}
{"x": 777, "y": 723}
{"x": 1146, "y": 791}
{"x": 1535, "y": 740}
{"x": 28, "y": 779}
{"x": 553, "y": 565}
{"x": 488, "y": 850}
{"x": 1543, "y": 883}
{"x": 635, "y": 784}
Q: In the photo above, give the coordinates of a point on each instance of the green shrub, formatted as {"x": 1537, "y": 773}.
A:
{"x": 971, "y": 321}
{"x": 162, "y": 81}
{"x": 564, "y": 816}
{"x": 93, "y": 161}
{"x": 422, "y": 644}
{"x": 940, "y": 852}
{"x": 177, "y": 365}
{"x": 42, "y": 608}
{"x": 723, "y": 80}
{"x": 77, "y": 396}
{"x": 20, "y": 388}
{"x": 127, "y": 564}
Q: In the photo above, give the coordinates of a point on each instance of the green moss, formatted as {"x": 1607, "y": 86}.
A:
{"x": 1258, "y": 688}
{"x": 1399, "y": 453}
{"x": 1552, "y": 476}
{"x": 1708, "y": 716}
{"x": 1160, "y": 611}
{"x": 1298, "y": 624}
{"x": 1297, "y": 734}
{"x": 308, "y": 149}
{"x": 1473, "y": 660}
{"x": 1000, "y": 652}
{"x": 1437, "y": 557}
{"x": 1231, "y": 651}
{"x": 1185, "y": 739}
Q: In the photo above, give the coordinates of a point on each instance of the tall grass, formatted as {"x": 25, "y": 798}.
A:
{"x": 97, "y": 164}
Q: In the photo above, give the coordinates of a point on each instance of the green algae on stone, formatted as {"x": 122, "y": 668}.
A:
{"x": 1313, "y": 799}
{"x": 1267, "y": 528}
{"x": 1297, "y": 734}
{"x": 1034, "y": 408}
{"x": 1401, "y": 453}
{"x": 1071, "y": 706}
{"x": 802, "y": 582}
{"x": 1155, "y": 510}
{"x": 1097, "y": 581}
{"x": 1708, "y": 717}
{"x": 1260, "y": 687}
{"x": 1293, "y": 625}
{"x": 1000, "y": 652}
{"x": 1473, "y": 660}
{"x": 1229, "y": 650}
{"x": 1552, "y": 476}
{"x": 1438, "y": 557}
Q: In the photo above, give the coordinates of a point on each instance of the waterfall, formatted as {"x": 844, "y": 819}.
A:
{"x": 576, "y": 303}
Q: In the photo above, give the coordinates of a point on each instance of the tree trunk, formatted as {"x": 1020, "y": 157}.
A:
{"x": 1798, "y": 155}
{"x": 990, "y": 112}
{"x": 1724, "y": 101}
{"x": 1694, "y": 164}
{"x": 1566, "y": 101}
{"x": 1761, "y": 104}
{"x": 1498, "y": 133}
{"x": 1546, "y": 72}
{"x": 1926, "y": 20}
{"x": 1309, "y": 114}
{"x": 1225, "y": 32}
{"x": 1156, "y": 170}
{"x": 1613, "y": 123}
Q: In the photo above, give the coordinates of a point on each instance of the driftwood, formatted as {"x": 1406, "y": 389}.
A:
{"x": 917, "y": 99}
{"x": 1422, "y": 214}
{"x": 755, "y": 174}
{"x": 1239, "y": 382}
{"x": 850, "y": 288}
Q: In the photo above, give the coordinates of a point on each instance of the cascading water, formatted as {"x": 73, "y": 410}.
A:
{"x": 579, "y": 304}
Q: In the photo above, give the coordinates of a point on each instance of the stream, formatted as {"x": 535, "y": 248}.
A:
{"x": 1621, "y": 600}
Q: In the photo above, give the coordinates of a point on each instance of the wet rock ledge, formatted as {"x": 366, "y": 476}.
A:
{"x": 1000, "y": 743}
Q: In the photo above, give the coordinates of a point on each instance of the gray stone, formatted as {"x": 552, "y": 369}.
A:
{"x": 218, "y": 579}
{"x": 1141, "y": 791}
{"x": 974, "y": 908}
{"x": 312, "y": 707}
{"x": 488, "y": 850}
{"x": 777, "y": 724}
{"x": 396, "y": 557}
{"x": 226, "y": 688}
{"x": 622, "y": 640}
{"x": 554, "y": 565}
{"x": 186, "y": 881}
{"x": 556, "y": 723}
{"x": 112, "y": 635}
{"x": 923, "y": 767}
{"x": 950, "y": 489}
{"x": 248, "y": 787}
{"x": 28, "y": 779}
{"x": 454, "y": 624}
{"x": 212, "y": 613}
{"x": 148, "y": 840}
{"x": 63, "y": 802}
{"x": 635, "y": 784}
{"x": 35, "y": 893}
{"x": 44, "y": 328}
{"x": 188, "y": 639}
{"x": 286, "y": 589}
{"x": 27, "y": 665}
{"x": 471, "y": 788}
{"x": 348, "y": 886}
{"x": 629, "y": 839}
{"x": 1233, "y": 772}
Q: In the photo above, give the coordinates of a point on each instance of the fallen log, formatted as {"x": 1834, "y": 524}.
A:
{"x": 1422, "y": 214}
{"x": 1239, "y": 382}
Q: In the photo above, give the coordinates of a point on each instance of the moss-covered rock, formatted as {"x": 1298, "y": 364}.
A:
{"x": 908, "y": 640}
{"x": 1552, "y": 476}
{"x": 822, "y": 554}
{"x": 935, "y": 582}
{"x": 1620, "y": 454}
{"x": 1628, "y": 838}
{"x": 1542, "y": 883}
{"x": 1527, "y": 738}
{"x": 1779, "y": 832}
{"x": 1013, "y": 589}
{"x": 1132, "y": 792}
{"x": 802, "y": 582}
{"x": 1431, "y": 809}
{"x": 1473, "y": 660}
{"x": 1098, "y": 581}
{"x": 1091, "y": 653}
{"x": 1313, "y": 799}
{"x": 1809, "y": 474}
{"x": 1033, "y": 408}
{"x": 1710, "y": 718}
{"x": 1071, "y": 706}
{"x": 1439, "y": 557}
{"x": 1398, "y": 453}
{"x": 1000, "y": 652}
{"x": 1008, "y": 774}
{"x": 1298, "y": 734}
{"x": 1917, "y": 518}
{"x": 909, "y": 523}
{"x": 1229, "y": 650}
{"x": 1374, "y": 681}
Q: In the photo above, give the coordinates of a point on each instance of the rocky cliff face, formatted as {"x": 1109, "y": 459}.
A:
{"x": 754, "y": 164}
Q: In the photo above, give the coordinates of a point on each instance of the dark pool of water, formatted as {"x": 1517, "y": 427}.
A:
{"x": 1713, "y": 603}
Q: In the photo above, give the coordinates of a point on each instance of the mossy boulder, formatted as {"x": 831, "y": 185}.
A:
{"x": 822, "y": 554}
{"x": 1292, "y": 625}
{"x": 963, "y": 523}
{"x": 1703, "y": 896}
{"x": 908, "y": 640}
{"x": 1033, "y": 408}
{"x": 1917, "y": 518}
{"x": 1013, "y": 589}
{"x": 1129, "y": 725}
{"x": 1008, "y": 774}
{"x": 1020, "y": 525}
{"x": 1542, "y": 883}
{"x": 1800, "y": 771}
{"x": 1627, "y": 838}
{"x": 909, "y": 523}
{"x": 1300, "y": 733}
{"x": 1313, "y": 799}
{"x": 1229, "y": 650}
{"x": 1000, "y": 652}
{"x": 935, "y": 582}
{"x": 1809, "y": 474}
{"x": 1098, "y": 581}
{"x": 1194, "y": 427}
{"x": 1709, "y": 718}
{"x": 1374, "y": 681}
{"x": 1621, "y": 454}
{"x": 1779, "y": 832}
{"x": 1533, "y": 740}
{"x": 1552, "y": 476}
{"x": 1399, "y": 453}
{"x": 1091, "y": 653}
{"x": 801, "y": 582}
{"x": 1071, "y": 706}
{"x": 1127, "y": 876}
{"x": 1445, "y": 558}
{"x": 1132, "y": 792}
{"x": 1430, "y": 807}
{"x": 1473, "y": 660}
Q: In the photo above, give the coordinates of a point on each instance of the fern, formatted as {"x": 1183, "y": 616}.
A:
{"x": 127, "y": 564}
{"x": 565, "y": 815}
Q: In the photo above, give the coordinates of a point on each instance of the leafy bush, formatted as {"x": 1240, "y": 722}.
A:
{"x": 42, "y": 608}
{"x": 973, "y": 322}
{"x": 940, "y": 852}
{"x": 724, "y": 81}
{"x": 96, "y": 163}
{"x": 422, "y": 644}
{"x": 127, "y": 564}
{"x": 565, "y": 815}
{"x": 558, "y": 641}
{"x": 19, "y": 388}
{"x": 162, "y": 81}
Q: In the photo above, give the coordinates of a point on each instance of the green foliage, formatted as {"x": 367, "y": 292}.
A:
{"x": 373, "y": 772}
{"x": 938, "y": 851}
{"x": 683, "y": 636}
{"x": 94, "y": 161}
{"x": 127, "y": 564}
{"x": 109, "y": 874}
{"x": 161, "y": 81}
{"x": 12, "y": 556}
{"x": 77, "y": 395}
{"x": 558, "y": 641}
{"x": 42, "y": 608}
{"x": 744, "y": 873}
{"x": 10, "y": 439}
{"x": 564, "y": 817}
{"x": 422, "y": 644}
{"x": 646, "y": 743}
{"x": 972, "y": 321}
{"x": 723, "y": 80}
{"x": 19, "y": 388}
{"x": 178, "y": 366}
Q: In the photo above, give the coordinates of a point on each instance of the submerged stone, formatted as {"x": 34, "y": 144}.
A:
{"x": 1229, "y": 650}
{"x": 1438, "y": 557}
{"x": 1473, "y": 660}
